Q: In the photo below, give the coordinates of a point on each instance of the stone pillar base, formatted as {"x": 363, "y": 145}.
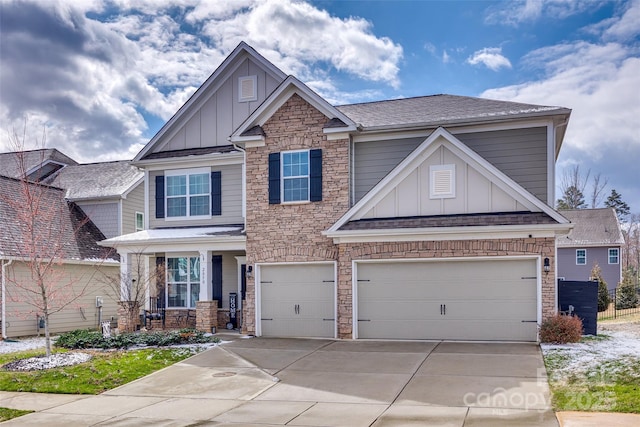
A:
{"x": 206, "y": 315}
{"x": 128, "y": 316}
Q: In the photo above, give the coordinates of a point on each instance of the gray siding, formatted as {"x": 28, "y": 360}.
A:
{"x": 231, "y": 200}
{"x": 568, "y": 269}
{"x": 132, "y": 204}
{"x": 520, "y": 153}
{"x": 104, "y": 215}
{"x": 374, "y": 160}
{"x": 229, "y": 276}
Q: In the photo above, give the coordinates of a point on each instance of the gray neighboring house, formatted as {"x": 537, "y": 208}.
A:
{"x": 595, "y": 238}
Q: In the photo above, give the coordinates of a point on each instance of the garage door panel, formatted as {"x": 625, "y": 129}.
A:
{"x": 466, "y": 300}
{"x": 297, "y": 300}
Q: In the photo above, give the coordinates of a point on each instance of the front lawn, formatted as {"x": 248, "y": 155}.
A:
{"x": 6, "y": 413}
{"x": 106, "y": 370}
{"x": 598, "y": 374}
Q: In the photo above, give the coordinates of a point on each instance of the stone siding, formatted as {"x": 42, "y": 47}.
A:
{"x": 545, "y": 247}
{"x": 292, "y": 232}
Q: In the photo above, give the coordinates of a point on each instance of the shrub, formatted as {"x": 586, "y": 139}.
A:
{"x": 561, "y": 329}
{"x": 83, "y": 338}
{"x": 627, "y": 293}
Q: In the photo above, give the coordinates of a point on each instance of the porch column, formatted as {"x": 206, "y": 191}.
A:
{"x": 125, "y": 275}
{"x": 205, "y": 275}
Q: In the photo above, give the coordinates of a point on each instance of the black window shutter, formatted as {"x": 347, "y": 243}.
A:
{"x": 160, "y": 196}
{"x": 160, "y": 281}
{"x": 274, "y": 178}
{"x": 216, "y": 278}
{"x": 216, "y": 193}
{"x": 315, "y": 175}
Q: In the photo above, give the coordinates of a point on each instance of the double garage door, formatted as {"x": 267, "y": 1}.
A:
{"x": 458, "y": 300}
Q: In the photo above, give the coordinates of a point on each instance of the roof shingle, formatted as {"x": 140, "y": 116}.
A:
{"x": 593, "y": 227}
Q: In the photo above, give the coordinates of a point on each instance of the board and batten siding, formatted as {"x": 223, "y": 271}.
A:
{"x": 217, "y": 116}
{"x": 132, "y": 204}
{"x": 521, "y": 154}
{"x": 231, "y": 201}
{"x": 104, "y": 215}
{"x": 82, "y": 314}
{"x": 229, "y": 275}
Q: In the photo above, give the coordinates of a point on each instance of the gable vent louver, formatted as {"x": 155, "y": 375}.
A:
{"x": 442, "y": 181}
{"x": 247, "y": 87}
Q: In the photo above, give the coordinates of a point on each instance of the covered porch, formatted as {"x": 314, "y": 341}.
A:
{"x": 181, "y": 278}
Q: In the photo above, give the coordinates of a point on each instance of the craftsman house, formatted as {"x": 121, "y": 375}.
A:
{"x": 419, "y": 218}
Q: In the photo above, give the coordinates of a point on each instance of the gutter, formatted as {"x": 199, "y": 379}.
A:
{"x": 4, "y": 299}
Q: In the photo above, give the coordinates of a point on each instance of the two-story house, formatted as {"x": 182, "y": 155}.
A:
{"x": 595, "y": 239}
{"x": 419, "y": 218}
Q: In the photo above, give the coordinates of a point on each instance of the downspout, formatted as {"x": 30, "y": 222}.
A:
{"x": 4, "y": 311}
{"x": 244, "y": 186}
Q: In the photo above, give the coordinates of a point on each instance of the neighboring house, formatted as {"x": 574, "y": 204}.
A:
{"x": 419, "y": 218}
{"x": 81, "y": 267}
{"x": 595, "y": 239}
{"x": 110, "y": 193}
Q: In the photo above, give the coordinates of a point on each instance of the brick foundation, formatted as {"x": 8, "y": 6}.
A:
{"x": 128, "y": 316}
{"x": 206, "y": 315}
{"x": 180, "y": 318}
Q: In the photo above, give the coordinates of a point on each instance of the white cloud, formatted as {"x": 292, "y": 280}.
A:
{"x": 515, "y": 12}
{"x": 491, "y": 57}
{"x": 627, "y": 26}
{"x": 599, "y": 82}
{"x": 445, "y": 57}
{"x": 89, "y": 81}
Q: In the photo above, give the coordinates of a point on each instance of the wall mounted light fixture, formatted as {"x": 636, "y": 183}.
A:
{"x": 547, "y": 267}
{"x": 249, "y": 271}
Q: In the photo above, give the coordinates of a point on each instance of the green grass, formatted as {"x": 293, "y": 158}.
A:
{"x": 106, "y": 370}
{"x": 6, "y": 414}
{"x": 614, "y": 386}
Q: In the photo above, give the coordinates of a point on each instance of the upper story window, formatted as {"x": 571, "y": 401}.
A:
{"x": 581, "y": 256}
{"x": 189, "y": 193}
{"x": 139, "y": 221}
{"x": 295, "y": 176}
{"x": 614, "y": 256}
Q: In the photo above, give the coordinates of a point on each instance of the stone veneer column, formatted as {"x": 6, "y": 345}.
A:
{"x": 206, "y": 315}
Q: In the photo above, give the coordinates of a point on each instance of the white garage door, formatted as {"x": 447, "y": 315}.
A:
{"x": 458, "y": 300}
{"x": 297, "y": 300}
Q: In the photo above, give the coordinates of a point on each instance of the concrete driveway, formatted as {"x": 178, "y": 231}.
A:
{"x": 298, "y": 382}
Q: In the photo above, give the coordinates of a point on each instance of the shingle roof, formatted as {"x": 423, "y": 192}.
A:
{"x": 10, "y": 162}
{"x": 593, "y": 227}
{"x": 59, "y": 224}
{"x": 97, "y": 180}
{"x": 437, "y": 110}
{"x": 463, "y": 220}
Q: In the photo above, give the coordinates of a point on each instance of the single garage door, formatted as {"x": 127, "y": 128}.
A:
{"x": 457, "y": 300}
{"x": 297, "y": 300}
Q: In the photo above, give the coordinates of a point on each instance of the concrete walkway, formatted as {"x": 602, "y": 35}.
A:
{"x": 275, "y": 382}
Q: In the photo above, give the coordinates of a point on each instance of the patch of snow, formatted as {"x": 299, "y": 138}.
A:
{"x": 47, "y": 362}
{"x": 12, "y": 346}
{"x": 173, "y": 233}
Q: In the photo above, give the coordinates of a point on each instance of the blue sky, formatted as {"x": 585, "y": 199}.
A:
{"x": 101, "y": 77}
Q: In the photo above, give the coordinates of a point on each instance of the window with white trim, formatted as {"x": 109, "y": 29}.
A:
{"x": 443, "y": 181}
{"x": 295, "y": 176}
{"x": 188, "y": 193}
{"x": 139, "y": 221}
{"x": 614, "y": 256}
{"x": 183, "y": 281}
{"x": 581, "y": 256}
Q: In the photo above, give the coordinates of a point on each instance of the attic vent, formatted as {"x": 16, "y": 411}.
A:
{"x": 248, "y": 88}
{"x": 443, "y": 181}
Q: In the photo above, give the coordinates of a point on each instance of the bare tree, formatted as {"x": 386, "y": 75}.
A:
{"x": 597, "y": 191}
{"x": 44, "y": 230}
{"x": 133, "y": 289}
